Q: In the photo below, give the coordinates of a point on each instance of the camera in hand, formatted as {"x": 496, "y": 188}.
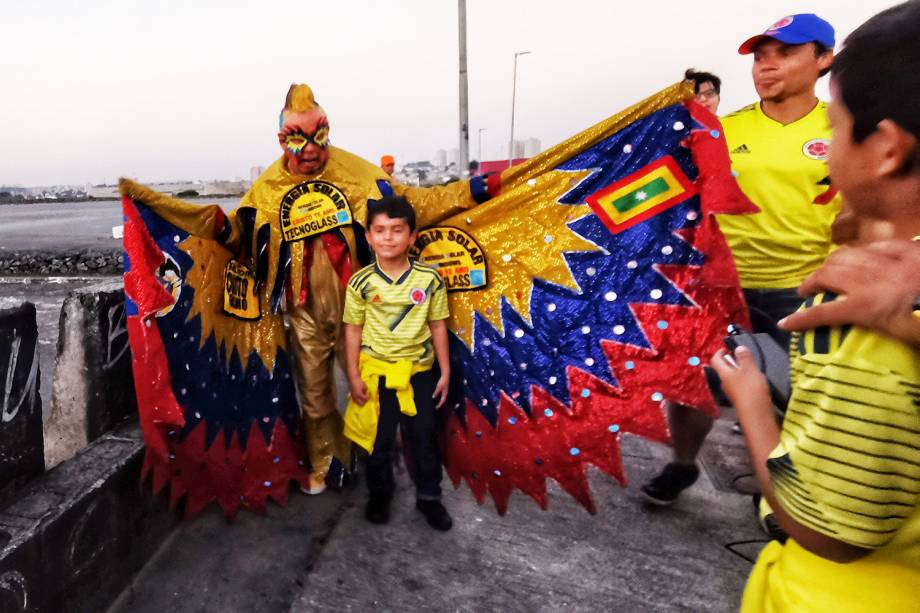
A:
{"x": 769, "y": 356}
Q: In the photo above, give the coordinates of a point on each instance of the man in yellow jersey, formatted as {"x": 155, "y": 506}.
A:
{"x": 843, "y": 472}
{"x": 778, "y": 148}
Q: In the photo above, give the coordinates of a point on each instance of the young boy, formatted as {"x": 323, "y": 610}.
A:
{"x": 843, "y": 474}
{"x": 395, "y": 312}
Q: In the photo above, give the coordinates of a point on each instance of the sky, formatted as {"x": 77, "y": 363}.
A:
{"x": 159, "y": 90}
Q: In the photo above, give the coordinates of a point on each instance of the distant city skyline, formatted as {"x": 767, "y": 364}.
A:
{"x": 167, "y": 90}
{"x": 527, "y": 147}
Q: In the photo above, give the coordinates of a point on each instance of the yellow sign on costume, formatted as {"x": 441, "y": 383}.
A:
{"x": 311, "y": 208}
{"x": 458, "y": 258}
{"x": 240, "y": 297}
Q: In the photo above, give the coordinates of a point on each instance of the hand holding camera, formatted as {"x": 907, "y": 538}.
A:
{"x": 731, "y": 375}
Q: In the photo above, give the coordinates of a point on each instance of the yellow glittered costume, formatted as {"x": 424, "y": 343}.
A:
{"x": 302, "y": 236}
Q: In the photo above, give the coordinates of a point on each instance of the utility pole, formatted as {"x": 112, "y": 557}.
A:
{"x": 464, "y": 157}
{"x": 513, "y": 93}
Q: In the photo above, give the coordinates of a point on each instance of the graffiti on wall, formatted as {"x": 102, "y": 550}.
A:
{"x": 116, "y": 335}
{"x": 27, "y": 394}
{"x": 14, "y": 591}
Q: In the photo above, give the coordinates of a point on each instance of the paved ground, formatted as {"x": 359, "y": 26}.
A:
{"x": 67, "y": 226}
{"x": 319, "y": 554}
{"x": 47, "y": 294}
{"x": 252, "y": 564}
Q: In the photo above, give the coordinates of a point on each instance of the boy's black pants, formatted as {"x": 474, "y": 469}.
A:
{"x": 420, "y": 434}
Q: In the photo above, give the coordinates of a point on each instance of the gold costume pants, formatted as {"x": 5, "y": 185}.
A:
{"x": 316, "y": 342}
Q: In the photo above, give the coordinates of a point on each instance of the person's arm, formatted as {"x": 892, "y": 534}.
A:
{"x": 878, "y": 285}
{"x": 353, "y": 317}
{"x": 208, "y": 222}
{"x": 440, "y": 342}
{"x": 352, "y": 354}
{"x": 747, "y": 389}
{"x": 433, "y": 204}
{"x": 438, "y": 312}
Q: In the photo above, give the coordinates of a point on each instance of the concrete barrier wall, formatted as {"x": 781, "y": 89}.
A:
{"x": 93, "y": 388}
{"x": 21, "y": 448}
{"x": 71, "y": 539}
{"x": 74, "y": 537}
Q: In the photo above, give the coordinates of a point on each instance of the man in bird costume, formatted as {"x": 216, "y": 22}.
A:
{"x": 296, "y": 237}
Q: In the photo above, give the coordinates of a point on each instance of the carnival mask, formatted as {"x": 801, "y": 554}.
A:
{"x": 295, "y": 142}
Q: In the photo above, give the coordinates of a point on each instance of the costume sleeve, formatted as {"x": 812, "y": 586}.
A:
{"x": 848, "y": 462}
{"x": 354, "y": 306}
{"x": 432, "y": 204}
{"x": 438, "y": 309}
{"x": 209, "y": 222}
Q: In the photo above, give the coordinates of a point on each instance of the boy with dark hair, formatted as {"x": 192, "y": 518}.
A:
{"x": 395, "y": 329}
{"x": 843, "y": 474}
{"x": 707, "y": 87}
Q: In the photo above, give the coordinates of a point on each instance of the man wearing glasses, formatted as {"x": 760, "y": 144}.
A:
{"x": 707, "y": 88}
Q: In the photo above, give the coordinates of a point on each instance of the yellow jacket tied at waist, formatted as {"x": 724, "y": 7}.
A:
{"x": 361, "y": 420}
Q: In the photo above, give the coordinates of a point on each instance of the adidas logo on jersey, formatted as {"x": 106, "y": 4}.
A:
{"x": 741, "y": 149}
{"x": 376, "y": 299}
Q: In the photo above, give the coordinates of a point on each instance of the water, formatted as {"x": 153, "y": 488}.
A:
{"x": 68, "y": 226}
{"x": 58, "y": 227}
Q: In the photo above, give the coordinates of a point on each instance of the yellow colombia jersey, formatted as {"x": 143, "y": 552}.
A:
{"x": 847, "y": 466}
{"x": 782, "y": 170}
{"x": 395, "y": 312}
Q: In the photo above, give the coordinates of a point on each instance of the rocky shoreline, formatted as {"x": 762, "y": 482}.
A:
{"x": 77, "y": 262}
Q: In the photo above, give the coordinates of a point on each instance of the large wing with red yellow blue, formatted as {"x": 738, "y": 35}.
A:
{"x": 592, "y": 288}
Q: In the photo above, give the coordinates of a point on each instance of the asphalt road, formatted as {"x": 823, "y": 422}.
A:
{"x": 67, "y": 226}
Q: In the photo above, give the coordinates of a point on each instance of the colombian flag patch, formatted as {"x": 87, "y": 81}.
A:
{"x": 641, "y": 195}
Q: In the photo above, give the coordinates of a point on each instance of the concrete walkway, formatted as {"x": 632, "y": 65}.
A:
{"x": 319, "y": 554}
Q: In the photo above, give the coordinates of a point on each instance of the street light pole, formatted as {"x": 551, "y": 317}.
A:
{"x": 513, "y": 93}
{"x": 464, "y": 157}
{"x": 481, "y": 130}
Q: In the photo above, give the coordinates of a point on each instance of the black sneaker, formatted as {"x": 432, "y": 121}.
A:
{"x": 667, "y": 486}
{"x": 435, "y": 514}
{"x": 378, "y": 509}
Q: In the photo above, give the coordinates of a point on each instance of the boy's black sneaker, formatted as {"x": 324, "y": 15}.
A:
{"x": 435, "y": 514}
{"x": 666, "y": 487}
{"x": 378, "y": 509}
